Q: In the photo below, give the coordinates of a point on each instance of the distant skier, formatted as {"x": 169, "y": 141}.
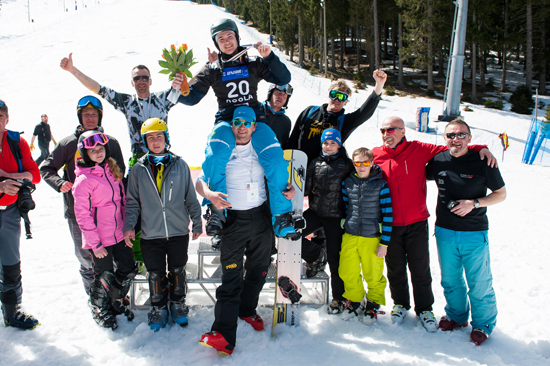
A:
{"x": 98, "y": 206}
{"x": 161, "y": 195}
{"x": 44, "y": 134}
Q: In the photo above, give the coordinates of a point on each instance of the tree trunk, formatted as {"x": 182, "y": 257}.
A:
{"x": 333, "y": 54}
{"x": 529, "y": 46}
{"x": 473, "y": 67}
{"x": 343, "y": 35}
{"x": 400, "y": 82}
{"x": 300, "y": 41}
{"x": 430, "y": 47}
{"x": 441, "y": 61}
{"x": 542, "y": 72}
{"x": 481, "y": 70}
{"x": 376, "y": 28}
{"x": 504, "y": 48}
{"x": 394, "y": 47}
{"x": 386, "y": 32}
{"x": 358, "y": 38}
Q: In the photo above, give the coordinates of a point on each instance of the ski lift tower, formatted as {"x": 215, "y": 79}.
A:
{"x": 453, "y": 84}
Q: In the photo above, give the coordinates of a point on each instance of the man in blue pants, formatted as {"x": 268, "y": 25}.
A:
{"x": 461, "y": 231}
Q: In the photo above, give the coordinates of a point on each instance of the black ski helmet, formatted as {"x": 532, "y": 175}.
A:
{"x": 221, "y": 26}
{"x": 89, "y": 101}
{"x": 83, "y": 151}
{"x": 287, "y": 88}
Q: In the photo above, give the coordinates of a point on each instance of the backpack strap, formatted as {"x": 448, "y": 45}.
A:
{"x": 14, "y": 139}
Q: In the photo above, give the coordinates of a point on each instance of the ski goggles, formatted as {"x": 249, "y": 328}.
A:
{"x": 338, "y": 95}
{"x": 87, "y": 101}
{"x": 363, "y": 163}
{"x": 390, "y": 130}
{"x": 137, "y": 79}
{"x": 460, "y": 135}
{"x": 159, "y": 159}
{"x": 238, "y": 122}
{"x": 284, "y": 88}
{"x": 92, "y": 141}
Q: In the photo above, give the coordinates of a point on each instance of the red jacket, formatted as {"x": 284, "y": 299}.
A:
{"x": 405, "y": 171}
{"x": 9, "y": 165}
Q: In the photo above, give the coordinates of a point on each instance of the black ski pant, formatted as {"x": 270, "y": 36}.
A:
{"x": 311, "y": 250}
{"x": 120, "y": 254}
{"x": 11, "y": 289}
{"x": 409, "y": 245}
{"x": 157, "y": 252}
{"x": 245, "y": 233}
{"x": 83, "y": 255}
{"x": 44, "y": 152}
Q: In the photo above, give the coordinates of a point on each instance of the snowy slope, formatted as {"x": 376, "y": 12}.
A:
{"x": 107, "y": 39}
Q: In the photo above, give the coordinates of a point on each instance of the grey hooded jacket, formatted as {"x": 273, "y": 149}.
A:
{"x": 168, "y": 214}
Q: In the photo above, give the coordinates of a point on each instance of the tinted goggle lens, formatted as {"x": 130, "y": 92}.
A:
{"x": 141, "y": 78}
{"x": 238, "y": 122}
{"x": 389, "y": 130}
{"x": 359, "y": 163}
{"x": 86, "y": 101}
{"x": 338, "y": 95}
{"x": 92, "y": 141}
{"x": 284, "y": 88}
{"x": 460, "y": 135}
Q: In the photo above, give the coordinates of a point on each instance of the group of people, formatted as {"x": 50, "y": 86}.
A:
{"x": 371, "y": 206}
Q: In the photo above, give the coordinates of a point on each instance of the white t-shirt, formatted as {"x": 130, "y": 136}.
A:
{"x": 244, "y": 168}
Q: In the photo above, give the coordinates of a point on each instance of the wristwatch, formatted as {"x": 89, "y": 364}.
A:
{"x": 476, "y": 203}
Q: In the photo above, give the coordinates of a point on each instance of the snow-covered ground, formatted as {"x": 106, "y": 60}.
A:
{"x": 107, "y": 39}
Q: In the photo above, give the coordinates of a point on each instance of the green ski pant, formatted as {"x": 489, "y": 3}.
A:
{"x": 358, "y": 256}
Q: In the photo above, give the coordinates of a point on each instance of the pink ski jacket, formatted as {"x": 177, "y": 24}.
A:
{"x": 99, "y": 206}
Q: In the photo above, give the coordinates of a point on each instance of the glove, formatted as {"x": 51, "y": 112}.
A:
{"x": 32, "y": 147}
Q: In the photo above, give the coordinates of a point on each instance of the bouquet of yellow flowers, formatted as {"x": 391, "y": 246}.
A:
{"x": 178, "y": 61}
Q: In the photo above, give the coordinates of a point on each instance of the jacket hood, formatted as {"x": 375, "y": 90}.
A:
{"x": 95, "y": 170}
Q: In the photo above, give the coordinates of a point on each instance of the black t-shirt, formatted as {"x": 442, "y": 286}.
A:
{"x": 465, "y": 177}
{"x": 42, "y": 130}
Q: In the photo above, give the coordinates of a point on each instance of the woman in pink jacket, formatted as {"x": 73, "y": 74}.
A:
{"x": 99, "y": 209}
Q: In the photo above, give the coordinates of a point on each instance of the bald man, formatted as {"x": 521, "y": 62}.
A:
{"x": 404, "y": 165}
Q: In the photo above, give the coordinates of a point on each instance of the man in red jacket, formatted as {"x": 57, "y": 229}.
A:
{"x": 10, "y": 224}
{"x": 404, "y": 165}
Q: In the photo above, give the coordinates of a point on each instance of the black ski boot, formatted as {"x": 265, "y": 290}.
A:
{"x": 289, "y": 289}
{"x": 121, "y": 302}
{"x": 215, "y": 219}
{"x": 100, "y": 301}
{"x": 178, "y": 292}
{"x": 14, "y": 317}
{"x": 313, "y": 268}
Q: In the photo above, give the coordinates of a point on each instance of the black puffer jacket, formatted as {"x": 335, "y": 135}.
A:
{"x": 324, "y": 184}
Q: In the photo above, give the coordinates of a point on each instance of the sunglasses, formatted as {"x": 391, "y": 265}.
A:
{"x": 363, "y": 163}
{"x": 92, "y": 141}
{"x": 237, "y": 122}
{"x": 137, "y": 79}
{"x": 89, "y": 100}
{"x": 460, "y": 135}
{"x": 390, "y": 130}
{"x": 338, "y": 95}
{"x": 284, "y": 88}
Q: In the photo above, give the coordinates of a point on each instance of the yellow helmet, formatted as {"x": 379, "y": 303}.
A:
{"x": 154, "y": 125}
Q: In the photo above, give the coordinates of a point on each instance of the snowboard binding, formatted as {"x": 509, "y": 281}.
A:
{"x": 289, "y": 289}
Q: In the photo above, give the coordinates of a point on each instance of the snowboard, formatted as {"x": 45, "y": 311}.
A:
{"x": 289, "y": 252}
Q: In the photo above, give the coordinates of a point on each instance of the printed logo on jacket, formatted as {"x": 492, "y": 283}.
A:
{"x": 232, "y": 73}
